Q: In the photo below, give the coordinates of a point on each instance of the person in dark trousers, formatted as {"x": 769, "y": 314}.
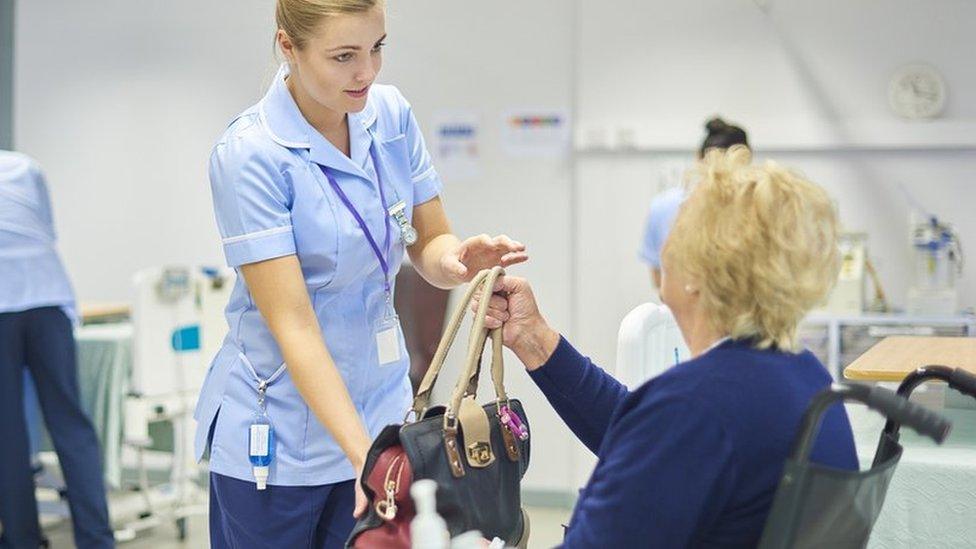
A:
{"x": 36, "y": 312}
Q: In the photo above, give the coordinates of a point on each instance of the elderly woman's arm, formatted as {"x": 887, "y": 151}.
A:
{"x": 583, "y": 395}
{"x": 666, "y": 472}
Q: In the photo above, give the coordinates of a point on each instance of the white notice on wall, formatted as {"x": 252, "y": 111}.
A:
{"x": 536, "y": 132}
{"x": 456, "y": 148}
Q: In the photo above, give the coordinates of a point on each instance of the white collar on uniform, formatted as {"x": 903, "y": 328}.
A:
{"x": 287, "y": 126}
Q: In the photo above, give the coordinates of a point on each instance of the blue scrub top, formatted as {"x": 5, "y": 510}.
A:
{"x": 271, "y": 199}
{"x": 664, "y": 210}
{"x": 31, "y": 273}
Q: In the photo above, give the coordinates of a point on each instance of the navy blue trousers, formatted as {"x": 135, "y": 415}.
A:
{"x": 243, "y": 517}
{"x": 42, "y": 339}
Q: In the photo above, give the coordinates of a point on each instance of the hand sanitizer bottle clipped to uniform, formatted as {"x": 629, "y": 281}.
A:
{"x": 261, "y": 445}
{"x": 427, "y": 530}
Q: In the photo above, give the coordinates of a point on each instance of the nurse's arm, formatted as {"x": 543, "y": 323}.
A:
{"x": 279, "y": 290}
{"x": 444, "y": 260}
{"x": 434, "y": 239}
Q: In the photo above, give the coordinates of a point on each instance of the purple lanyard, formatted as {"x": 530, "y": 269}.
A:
{"x": 362, "y": 223}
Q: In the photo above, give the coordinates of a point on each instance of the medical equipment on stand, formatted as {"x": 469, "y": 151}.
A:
{"x": 847, "y": 296}
{"x": 937, "y": 262}
{"x": 177, "y": 317}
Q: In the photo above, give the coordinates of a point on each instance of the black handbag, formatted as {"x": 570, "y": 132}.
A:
{"x": 477, "y": 454}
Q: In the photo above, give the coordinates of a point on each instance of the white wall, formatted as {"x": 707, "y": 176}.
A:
{"x": 806, "y": 74}
{"x": 120, "y": 102}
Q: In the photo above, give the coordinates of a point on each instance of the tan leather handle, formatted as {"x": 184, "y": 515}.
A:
{"x": 422, "y": 399}
{"x": 479, "y": 340}
{"x": 475, "y": 349}
{"x": 497, "y": 365}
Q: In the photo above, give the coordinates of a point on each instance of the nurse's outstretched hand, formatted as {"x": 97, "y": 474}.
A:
{"x": 482, "y": 252}
{"x": 526, "y": 332}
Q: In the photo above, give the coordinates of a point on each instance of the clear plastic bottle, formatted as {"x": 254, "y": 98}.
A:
{"x": 427, "y": 530}
{"x": 261, "y": 447}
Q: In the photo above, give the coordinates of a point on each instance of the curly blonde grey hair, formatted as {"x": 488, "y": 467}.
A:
{"x": 761, "y": 243}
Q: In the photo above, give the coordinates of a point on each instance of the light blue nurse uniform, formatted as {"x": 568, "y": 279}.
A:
{"x": 664, "y": 210}
{"x": 31, "y": 272}
{"x": 272, "y": 199}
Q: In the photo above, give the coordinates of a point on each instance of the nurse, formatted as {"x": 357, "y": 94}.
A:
{"x": 319, "y": 189}
{"x": 36, "y": 310}
{"x": 664, "y": 209}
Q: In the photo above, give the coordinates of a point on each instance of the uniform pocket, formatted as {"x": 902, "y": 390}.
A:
{"x": 397, "y": 170}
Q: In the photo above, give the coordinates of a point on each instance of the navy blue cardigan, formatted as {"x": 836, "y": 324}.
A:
{"x": 691, "y": 458}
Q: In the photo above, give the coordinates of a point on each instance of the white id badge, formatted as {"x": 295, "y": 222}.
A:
{"x": 388, "y": 340}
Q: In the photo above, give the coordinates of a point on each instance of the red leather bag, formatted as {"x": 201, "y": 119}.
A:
{"x": 390, "y": 481}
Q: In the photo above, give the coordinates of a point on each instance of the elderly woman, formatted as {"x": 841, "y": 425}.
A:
{"x": 692, "y": 458}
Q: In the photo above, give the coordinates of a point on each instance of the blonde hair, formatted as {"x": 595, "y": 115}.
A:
{"x": 761, "y": 243}
{"x": 300, "y": 18}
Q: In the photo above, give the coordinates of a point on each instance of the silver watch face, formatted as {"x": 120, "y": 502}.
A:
{"x": 409, "y": 235}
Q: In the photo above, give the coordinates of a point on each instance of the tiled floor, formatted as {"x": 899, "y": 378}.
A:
{"x": 546, "y": 532}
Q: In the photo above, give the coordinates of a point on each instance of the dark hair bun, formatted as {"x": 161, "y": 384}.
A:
{"x": 722, "y": 135}
{"x": 716, "y": 125}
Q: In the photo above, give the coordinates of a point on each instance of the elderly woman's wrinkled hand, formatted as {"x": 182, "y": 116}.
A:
{"x": 526, "y": 332}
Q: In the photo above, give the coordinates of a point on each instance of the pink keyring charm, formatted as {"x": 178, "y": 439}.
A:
{"x": 513, "y": 422}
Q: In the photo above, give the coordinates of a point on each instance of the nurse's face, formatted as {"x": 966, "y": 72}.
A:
{"x": 336, "y": 66}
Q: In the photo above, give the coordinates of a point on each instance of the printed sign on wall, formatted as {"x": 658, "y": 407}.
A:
{"x": 536, "y": 132}
{"x": 457, "y": 149}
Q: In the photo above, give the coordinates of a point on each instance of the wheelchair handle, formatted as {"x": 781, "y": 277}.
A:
{"x": 957, "y": 378}
{"x": 889, "y": 404}
{"x": 901, "y": 410}
{"x": 963, "y": 381}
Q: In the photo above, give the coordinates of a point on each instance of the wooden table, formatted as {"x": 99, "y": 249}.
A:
{"x": 930, "y": 499}
{"x": 97, "y": 312}
{"x": 895, "y": 357}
